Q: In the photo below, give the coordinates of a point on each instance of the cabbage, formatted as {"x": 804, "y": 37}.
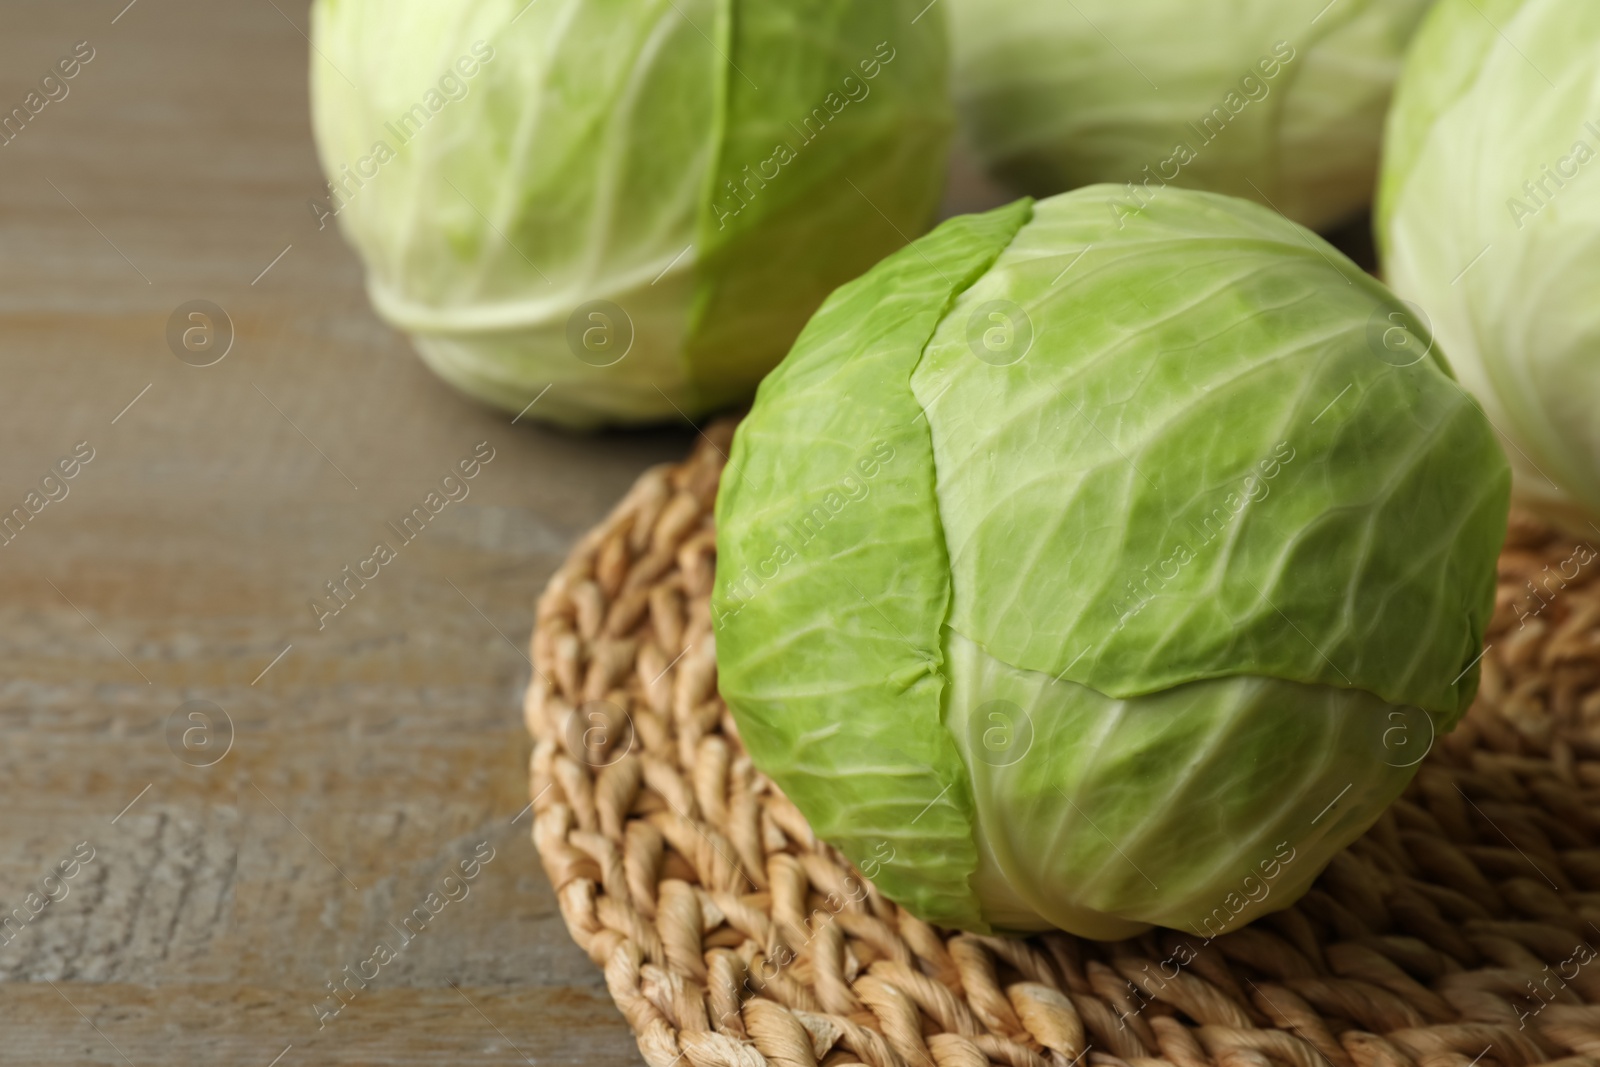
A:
{"x": 1098, "y": 573}
{"x": 1489, "y": 221}
{"x": 1279, "y": 101}
{"x": 635, "y": 204}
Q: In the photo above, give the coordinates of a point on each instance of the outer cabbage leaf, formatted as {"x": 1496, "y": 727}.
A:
{"x": 1199, "y": 807}
{"x": 832, "y": 581}
{"x": 1205, "y": 467}
{"x": 1490, "y": 222}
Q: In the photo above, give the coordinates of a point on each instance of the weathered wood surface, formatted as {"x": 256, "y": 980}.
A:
{"x": 378, "y": 751}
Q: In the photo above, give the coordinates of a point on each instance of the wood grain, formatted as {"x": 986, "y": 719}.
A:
{"x": 378, "y": 751}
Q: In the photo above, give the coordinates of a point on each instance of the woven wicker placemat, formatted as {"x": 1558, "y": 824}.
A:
{"x": 1460, "y": 930}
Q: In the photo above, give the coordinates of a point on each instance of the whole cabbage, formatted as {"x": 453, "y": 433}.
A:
{"x": 632, "y": 204}
{"x": 1489, "y": 220}
{"x": 1279, "y": 101}
{"x": 1095, "y": 575}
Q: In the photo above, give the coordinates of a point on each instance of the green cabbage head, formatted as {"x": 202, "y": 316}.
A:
{"x": 1489, "y": 220}
{"x": 1095, "y": 576}
{"x": 1279, "y": 101}
{"x": 632, "y": 204}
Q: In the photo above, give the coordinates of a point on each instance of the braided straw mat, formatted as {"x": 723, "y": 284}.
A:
{"x": 1457, "y": 932}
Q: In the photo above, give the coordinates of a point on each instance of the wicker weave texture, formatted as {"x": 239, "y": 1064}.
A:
{"x": 1461, "y": 930}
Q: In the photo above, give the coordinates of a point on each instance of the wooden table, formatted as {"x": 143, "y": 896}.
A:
{"x": 369, "y": 757}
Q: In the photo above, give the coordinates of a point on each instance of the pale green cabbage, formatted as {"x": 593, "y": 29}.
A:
{"x": 1489, "y": 220}
{"x": 1092, "y": 572}
{"x": 633, "y": 203}
{"x": 1279, "y": 101}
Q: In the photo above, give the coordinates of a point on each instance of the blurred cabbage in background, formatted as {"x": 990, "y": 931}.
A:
{"x": 1278, "y": 101}
{"x": 632, "y": 204}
